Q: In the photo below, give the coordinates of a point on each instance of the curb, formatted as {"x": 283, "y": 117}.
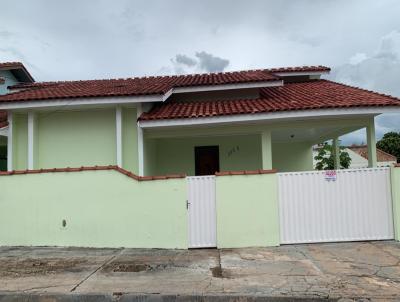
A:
{"x": 121, "y": 297}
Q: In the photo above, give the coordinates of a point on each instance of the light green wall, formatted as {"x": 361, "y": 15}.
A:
{"x": 247, "y": 211}
{"x": 396, "y": 200}
{"x": 20, "y": 142}
{"x": 176, "y": 155}
{"x": 289, "y": 157}
{"x": 241, "y": 152}
{"x": 76, "y": 138}
{"x": 129, "y": 140}
{"x": 101, "y": 209}
{"x": 149, "y": 157}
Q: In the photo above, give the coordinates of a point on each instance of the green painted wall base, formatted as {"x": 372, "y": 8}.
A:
{"x": 396, "y": 200}
{"x": 247, "y": 211}
{"x": 92, "y": 209}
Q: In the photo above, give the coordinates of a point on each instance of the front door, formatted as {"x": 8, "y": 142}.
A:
{"x": 206, "y": 160}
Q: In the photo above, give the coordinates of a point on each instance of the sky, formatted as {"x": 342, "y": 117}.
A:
{"x": 78, "y": 40}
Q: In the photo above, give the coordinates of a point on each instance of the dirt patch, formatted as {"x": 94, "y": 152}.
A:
{"x": 218, "y": 272}
{"x": 27, "y": 267}
{"x": 133, "y": 267}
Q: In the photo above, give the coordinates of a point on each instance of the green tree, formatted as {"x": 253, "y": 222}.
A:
{"x": 325, "y": 158}
{"x": 390, "y": 143}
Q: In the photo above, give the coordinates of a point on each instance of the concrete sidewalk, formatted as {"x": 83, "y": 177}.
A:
{"x": 336, "y": 270}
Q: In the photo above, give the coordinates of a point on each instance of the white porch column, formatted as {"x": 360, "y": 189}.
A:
{"x": 336, "y": 153}
{"x": 31, "y": 139}
{"x": 266, "y": 149}
{"x": 118, "y": 127}
{"x": 139, "y": 111}
{"x": 10, "y": 142}
{"x": 371, "y": 141}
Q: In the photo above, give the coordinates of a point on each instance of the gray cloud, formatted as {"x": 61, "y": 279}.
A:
{"x": 202, "y": 62}
{"x": 211, "y": 63}
{"x": 185, "y": 60}
{"x": 6, "y": 34}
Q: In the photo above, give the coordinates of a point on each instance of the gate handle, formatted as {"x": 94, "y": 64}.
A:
{"x": 187, "y": 204}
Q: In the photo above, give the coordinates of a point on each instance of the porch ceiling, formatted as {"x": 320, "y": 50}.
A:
{"x": 296, "y": 131}
{"x": 313, "y": 135}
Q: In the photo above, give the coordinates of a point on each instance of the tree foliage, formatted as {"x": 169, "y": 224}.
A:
{"x": 325, "y": 158}
{"x": 390, "y": 143}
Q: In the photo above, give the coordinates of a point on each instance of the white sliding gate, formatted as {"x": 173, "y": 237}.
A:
{"x": 201, "y": 211}
{"x": 321, "y": 207}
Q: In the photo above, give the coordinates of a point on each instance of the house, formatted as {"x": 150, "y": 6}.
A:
{"x": 359, "y": 157}
{"x": 11, "y": 73}
{"x": 92, "y": 162}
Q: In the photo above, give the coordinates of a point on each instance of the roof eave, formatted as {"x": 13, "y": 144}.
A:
{"x": 78, "y": 101}
{"x": 233, "y": 86}
{"x": 269, "y": 116}
{"x": 301, "y": 73}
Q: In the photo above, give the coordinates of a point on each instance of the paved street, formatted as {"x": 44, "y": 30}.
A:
{"x": 334, "y": 270}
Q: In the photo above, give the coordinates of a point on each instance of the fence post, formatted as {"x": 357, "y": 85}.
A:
{"x": 395, "y": 175}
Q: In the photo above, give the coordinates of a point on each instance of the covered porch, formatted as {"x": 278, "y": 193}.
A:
{"x": 284, "y": 145}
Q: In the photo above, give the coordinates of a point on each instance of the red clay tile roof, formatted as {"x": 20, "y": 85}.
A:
{"x": 131, "y": 86}
{"x": 143, "y": 86}
{"x": 316, "y": 94}
{"x": 6, "y": 65}
{"x": 3, "y": 119}
{"x": 16, "y": 65}
{"x": 380, "y": 154}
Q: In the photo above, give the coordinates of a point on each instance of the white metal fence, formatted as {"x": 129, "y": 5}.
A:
{"x": 348, "y": 205}
{"x": 202, "y": 211}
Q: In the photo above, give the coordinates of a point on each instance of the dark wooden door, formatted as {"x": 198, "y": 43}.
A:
{"x": 206, "y": 160}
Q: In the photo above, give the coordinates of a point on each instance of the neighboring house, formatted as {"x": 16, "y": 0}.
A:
{"x": 69, "y": 141}
{"x": 359, "y": 157}
{"x": 11, "y": 73}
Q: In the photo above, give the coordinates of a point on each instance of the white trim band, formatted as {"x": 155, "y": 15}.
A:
{"x": 300, "y": 73}
{"x": 80, "y": 101}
